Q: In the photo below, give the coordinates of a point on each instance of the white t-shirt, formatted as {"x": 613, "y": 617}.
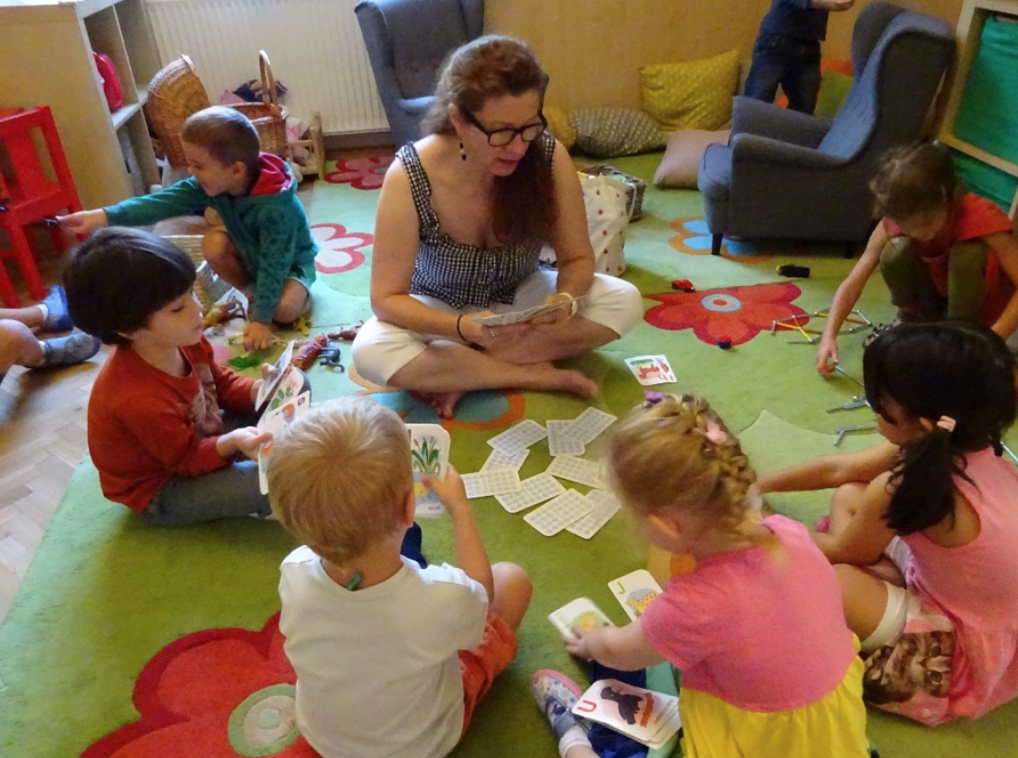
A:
{"x": 377, "y": 670}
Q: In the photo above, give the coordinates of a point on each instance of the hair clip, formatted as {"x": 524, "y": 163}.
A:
{"x": 715, "y": 433}
{"x": 651, "y": 399}
{"x": 946, "y": 422}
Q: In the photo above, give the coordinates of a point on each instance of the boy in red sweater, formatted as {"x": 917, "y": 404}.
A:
{"x": 155, "y": 429}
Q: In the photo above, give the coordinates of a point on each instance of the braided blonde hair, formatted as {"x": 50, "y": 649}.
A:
{"x": 675, "y": 453}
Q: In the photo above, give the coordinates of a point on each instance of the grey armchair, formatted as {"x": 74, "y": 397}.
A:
{"x": 407, "y": 41}
{"x": 790, "y": 175}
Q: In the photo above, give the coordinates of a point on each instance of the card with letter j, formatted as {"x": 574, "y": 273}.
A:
{"x": 634, "y": 591}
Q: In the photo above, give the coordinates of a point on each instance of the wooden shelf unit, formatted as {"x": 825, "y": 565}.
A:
{"x": 969, "y": 32}
{"x": 46, "y": 59}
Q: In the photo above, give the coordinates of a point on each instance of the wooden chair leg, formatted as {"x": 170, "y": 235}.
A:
{"x": 715, "y": 244}
{"x": 7, "y": 293}
{"x": 26, "y": 261}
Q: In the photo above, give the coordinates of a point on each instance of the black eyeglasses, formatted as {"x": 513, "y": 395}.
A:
{"x": 502, "y": 137}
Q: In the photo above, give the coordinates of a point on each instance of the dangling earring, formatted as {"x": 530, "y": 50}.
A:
{"x": 463, "y": 153}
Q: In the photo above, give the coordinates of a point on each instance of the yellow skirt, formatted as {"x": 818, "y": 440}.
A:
{"x": 832, "y": 726}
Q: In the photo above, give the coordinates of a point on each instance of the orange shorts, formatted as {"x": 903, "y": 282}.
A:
{"x": 480, "y": 666}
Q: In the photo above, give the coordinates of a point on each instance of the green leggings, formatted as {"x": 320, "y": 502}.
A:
{"x": 912, "y": 290}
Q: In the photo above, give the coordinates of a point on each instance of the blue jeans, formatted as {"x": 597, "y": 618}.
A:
{"x": 224, "y": 493}
{"x": 790, "y": 62}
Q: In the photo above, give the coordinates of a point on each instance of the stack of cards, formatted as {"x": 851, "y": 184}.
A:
{"x": 518, "y": 317}
{"x": 648, "y": 717}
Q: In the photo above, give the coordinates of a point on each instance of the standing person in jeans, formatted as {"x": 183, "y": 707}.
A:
{"x": 787, "y": 51}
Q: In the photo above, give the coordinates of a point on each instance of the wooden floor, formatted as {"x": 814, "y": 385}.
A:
{"x": 42, "y": 441}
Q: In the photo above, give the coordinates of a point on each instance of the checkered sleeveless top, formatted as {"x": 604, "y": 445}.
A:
{"x": 459, "y": 274}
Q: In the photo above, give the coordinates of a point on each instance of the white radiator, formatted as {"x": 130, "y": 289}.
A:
{"x": 315, "y": 47}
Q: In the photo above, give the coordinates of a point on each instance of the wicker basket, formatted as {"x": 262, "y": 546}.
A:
{"x": 636, "y": 186}
{"x": 174, "y": 93}
{"x": 268, "y": 116}
{"x": 207, "y": 286}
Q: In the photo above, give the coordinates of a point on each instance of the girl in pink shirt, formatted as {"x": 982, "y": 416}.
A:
{"x": 924, "y": 528}
{"x": 769, "y": 668}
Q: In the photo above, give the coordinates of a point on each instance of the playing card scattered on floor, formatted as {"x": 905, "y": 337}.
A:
{"x": 497, "y": 480}
{"x": 605, "y": 506}
{"x": 634, "y": 591}
{"x": 576, "y": 470}
{"x": 590, "y": 424}
{"x": 651, "y": 369}
{"x": 524, "y": 434}
{"x": 582, "y": 613}
{"x": 506, "y": 457}
{"x": 561, "y": 440}
{"x": 558, "y": 513}
{"x": 534, "y": 490}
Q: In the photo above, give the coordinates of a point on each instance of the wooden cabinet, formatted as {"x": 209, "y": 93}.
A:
{"x": 974, "y": 14}
{"x": 46, "y": 49}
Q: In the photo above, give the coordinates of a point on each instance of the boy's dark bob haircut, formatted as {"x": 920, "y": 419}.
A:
{"x": 118, "y": 277}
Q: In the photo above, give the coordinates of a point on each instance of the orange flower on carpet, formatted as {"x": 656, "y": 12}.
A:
{"x": 338, "y": 249}
{"x": 361, "y": 173}
{"x": 695, "y": 239}
{"x": 217, "y": 693}
{"x": 734, "y": 313}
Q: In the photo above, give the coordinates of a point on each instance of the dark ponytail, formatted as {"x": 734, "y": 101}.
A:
{"x": 953, "y": 371}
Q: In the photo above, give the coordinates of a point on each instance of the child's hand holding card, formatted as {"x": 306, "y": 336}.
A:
{"x": 581, "y": 614}
{"x": 429, "y": 456}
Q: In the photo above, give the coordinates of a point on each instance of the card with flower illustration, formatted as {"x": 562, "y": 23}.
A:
{"x": 429, "y": 456}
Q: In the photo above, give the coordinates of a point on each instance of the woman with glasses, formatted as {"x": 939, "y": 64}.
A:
{"x": 461, "y": 221}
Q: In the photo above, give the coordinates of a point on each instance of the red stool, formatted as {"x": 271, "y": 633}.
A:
{"x": 27, "y": 196}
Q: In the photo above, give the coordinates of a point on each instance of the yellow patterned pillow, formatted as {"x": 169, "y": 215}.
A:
{"x": 693, "y": 94}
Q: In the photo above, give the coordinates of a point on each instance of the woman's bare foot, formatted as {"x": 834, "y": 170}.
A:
{"x": 442, "y": 402}
{"x": 565, "y": 380}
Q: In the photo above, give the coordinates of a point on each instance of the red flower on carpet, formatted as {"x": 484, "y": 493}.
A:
{"x": 338, "y": 249}
{"x": 735, "y": 313}
{"x": 217, "y": 693}
{"x": 361, "y": 173}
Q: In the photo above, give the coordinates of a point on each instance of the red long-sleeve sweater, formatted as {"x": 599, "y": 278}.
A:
{"x": 146, "y": 426}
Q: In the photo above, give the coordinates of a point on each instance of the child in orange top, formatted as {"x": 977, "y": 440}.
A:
{"x": 944, "y": 252}
{"x": 155, "y": 430}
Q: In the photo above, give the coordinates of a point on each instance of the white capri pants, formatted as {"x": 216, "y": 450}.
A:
{"x": 381, "y": 349}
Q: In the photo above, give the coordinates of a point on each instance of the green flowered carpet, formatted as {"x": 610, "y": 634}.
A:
{"x": 128, "y": 641}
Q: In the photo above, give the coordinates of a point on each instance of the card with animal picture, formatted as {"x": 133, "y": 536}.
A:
{"x": 275, "y": 419}
{"x": 273, "y": 378}
{"x": 651, "y": 369}
{"x": 634, "y": 591}
{"x": 429, "y": 456}
{"x": 582, "y": 613}
{"x": 648, "y": 717}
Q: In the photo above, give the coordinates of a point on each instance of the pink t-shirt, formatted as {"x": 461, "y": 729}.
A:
{"x": 976, "y": 586}
{"x": 762, "y": 631}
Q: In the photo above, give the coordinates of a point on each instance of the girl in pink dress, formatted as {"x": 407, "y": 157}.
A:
{"x": 923, "y": 529}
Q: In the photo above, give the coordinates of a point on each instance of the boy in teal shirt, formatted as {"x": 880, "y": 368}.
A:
{"x": 266, "y": 249}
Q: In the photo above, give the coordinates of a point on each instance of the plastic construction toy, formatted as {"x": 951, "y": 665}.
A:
{"x": 856, "y": 322}
{"x": 683, "y": 285}
{"x": 309, "y": 352}
{"x": 724, "y": 342}
{"x": 791, "y": 269}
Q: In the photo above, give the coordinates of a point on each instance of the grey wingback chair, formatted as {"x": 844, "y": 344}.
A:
{"x": 790, "y": 175}
{"x": 407, "y": 41}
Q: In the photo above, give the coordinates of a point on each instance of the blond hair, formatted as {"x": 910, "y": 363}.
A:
{"x": 339, "y": 476}
{"x": 226, "y": 133}
{"x": 675, "y": 453}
